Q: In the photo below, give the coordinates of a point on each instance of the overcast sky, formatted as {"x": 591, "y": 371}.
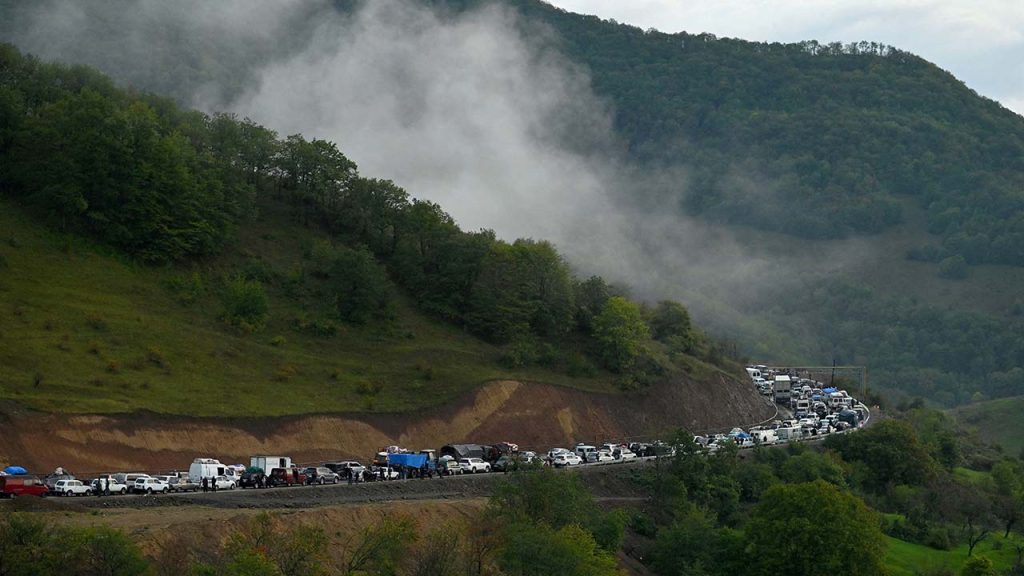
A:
{"x": 979, "y": 41}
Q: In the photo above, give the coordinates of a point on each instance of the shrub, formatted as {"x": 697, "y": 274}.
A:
{"x": 938, "y": 538}
{"x": 186, "y": 289}
{"x": 245, "y": 303}
{"x": 953, "y": 267}
{"x": 278, "y": 341}
{"x": 96, "y": 322}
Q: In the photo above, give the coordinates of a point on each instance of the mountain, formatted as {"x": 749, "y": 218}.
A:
{"x": 158, "y": 259}
{"x": 870, "y": 203}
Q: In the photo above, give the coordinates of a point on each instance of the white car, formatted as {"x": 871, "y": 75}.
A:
{"x": 624, "y": 454}
{"x": 150, "y": 485}
{"x": 474, "y": 465}
{"x": 556, "y": 451}
{"x": 605, "y": 456}
{"x": 566, "y": 459}
{"x": 224, "y": 483}
{"x": 109, "y": 484}
{"x": 71, "y": 488}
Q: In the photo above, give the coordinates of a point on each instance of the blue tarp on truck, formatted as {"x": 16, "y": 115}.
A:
{"x": 408, "y": 460}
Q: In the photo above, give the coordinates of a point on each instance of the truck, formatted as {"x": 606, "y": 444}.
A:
{"x": 268, "y": 463}
{"x": 783, "y": 387}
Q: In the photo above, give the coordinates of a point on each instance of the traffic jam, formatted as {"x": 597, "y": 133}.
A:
{"x": 806, "y": 410}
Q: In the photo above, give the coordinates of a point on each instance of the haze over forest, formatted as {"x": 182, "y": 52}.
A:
{"x": 500, "y": 114}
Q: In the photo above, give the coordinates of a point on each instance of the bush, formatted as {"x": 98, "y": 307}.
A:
{"x": 245, "y": 303}
{"x": 938, "y": 538}
{"x": 953, "y": 267}
{"x": 186, "y": 288}
{"x": 278, "y": 341}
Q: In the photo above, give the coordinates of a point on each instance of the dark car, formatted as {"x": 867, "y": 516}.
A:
{"x": 253, "y": 478}
{"x": 22, "y": 485}
{"x": 286, "y": 477}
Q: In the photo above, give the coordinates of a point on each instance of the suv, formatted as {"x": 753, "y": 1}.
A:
{"x": 148, "y": 485}
{"x": 448, "y": 467}
{"x": 566, "y": 459}
{"x": 71, "y": 488}
{"x": 474, "y": 465}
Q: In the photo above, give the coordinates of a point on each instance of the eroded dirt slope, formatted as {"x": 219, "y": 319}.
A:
{"x": 533, "y": 415}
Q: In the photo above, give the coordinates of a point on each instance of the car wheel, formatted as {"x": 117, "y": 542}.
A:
{"x": 124, "y": 491}
{"x": 232, "y": 487}
{"x": 88, "y": 492}
{"x": 165, "y": 490}
{"x": 149, "y": 491}
{"x": 12, "y": 495}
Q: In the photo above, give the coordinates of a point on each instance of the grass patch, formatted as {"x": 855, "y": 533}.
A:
{"x": 119, "y": 337}
{"x": 997, "y": 421}
{"x": 906, "y": 559}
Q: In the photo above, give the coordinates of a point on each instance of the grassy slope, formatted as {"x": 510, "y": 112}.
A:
{"x": 997, "y": 421}
{"x": 104, "y": 335}
{"x": 906, "y": 559}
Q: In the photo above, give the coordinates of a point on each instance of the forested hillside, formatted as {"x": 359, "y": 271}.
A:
{"x": 909, "y": 177}
{"x": 238, "y": 213}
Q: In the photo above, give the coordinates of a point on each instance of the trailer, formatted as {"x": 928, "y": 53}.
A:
{"x": 268, "y": 463}
{"x": 783, "y": 387}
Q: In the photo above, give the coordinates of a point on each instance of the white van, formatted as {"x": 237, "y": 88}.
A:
{"x": 586, "y": 452}
{"x": 205, "y": 468}
{"x": 788, "y": 434}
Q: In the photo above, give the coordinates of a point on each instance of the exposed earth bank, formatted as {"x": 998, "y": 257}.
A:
{"x": 535, "y": 416}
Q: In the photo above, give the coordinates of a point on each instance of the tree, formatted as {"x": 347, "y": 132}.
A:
{"x": 245, "y": 303}
{"x": 978, "y": 566}
{"x": 620, "y": 334}
{"x": 891, "y": 453}
{"x": 380, "y": 549}
{"x": 826, "y": 531}
{"x": 670, "y": 323}
{"x": 539, "y": 550}
{"x": 359, "y": 286}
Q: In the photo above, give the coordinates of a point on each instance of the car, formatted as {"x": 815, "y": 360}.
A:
{"x": 71, "y": 488}
{"x": 604, "y": 456}
{"x": 586, "y": 452}
{"x": 448, "y": 466}
{"x": 14, "y": 485}
{"x": 383, "y": 473}
{"x": 149, "y": 485}
{"x": 345, "y": 468}
{"x": 474, "y": 465}
{"x": 509, "y": 462}
{"x": 252, "y": 478}
{"x": 556, "y": 451}
{"x": 182, "y": 484}
{"x": 321, "y": 475}
{"x": 563, "y": 459}
{"x": 51, "y": 480}
{"x": 108, "y": 485}
{"x": 224, "y": 482}
{"x": 623, "y": 453}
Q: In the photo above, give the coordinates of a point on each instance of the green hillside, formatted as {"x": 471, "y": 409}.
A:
{"x": 84, "y": 330}
{"x": 157, "y": 258}
{"x": 807, "y": 154}
{"x": 998, "y": 421}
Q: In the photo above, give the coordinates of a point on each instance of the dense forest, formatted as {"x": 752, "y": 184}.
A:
{"x": 165, "y": 185}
